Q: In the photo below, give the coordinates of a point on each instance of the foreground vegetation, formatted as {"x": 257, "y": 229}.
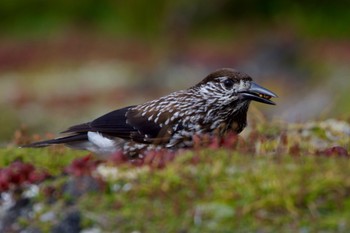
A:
{"x": 266, "y": 181}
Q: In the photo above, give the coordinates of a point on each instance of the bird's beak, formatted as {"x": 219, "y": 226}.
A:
{"x": 258, "y": 93}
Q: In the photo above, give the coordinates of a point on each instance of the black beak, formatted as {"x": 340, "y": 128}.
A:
{"x": 258, "y": 93}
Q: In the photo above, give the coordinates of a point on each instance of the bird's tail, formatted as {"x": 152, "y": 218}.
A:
{"x": 63, "y": 140}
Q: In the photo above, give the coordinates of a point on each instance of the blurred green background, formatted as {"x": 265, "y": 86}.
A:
{"x": 62, "y": 62}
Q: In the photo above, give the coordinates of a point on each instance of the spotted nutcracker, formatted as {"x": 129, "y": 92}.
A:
{"x": 216, "y": 105}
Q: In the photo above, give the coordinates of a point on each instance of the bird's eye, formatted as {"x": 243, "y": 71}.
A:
{"x": 228, "y": 83}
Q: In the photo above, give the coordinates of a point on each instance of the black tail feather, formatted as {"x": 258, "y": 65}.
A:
{"x": 63, "y": 140}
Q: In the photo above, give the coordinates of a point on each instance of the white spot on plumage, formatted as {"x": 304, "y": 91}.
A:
{"x": 176, "y": 115}
{"x": 156, "y": 120}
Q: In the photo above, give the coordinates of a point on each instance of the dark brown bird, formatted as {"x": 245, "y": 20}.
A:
{"x": 215, "y": 106}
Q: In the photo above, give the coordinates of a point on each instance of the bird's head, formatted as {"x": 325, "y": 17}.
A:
{"x": 228, "y": 86}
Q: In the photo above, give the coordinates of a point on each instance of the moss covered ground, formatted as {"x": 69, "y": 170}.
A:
{"x": 273, "y": 179}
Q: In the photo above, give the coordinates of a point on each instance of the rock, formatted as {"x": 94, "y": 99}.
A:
{"x": 21, "y": 208}
{"x": 69, "y": 224}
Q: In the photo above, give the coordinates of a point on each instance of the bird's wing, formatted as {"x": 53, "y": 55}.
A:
{"x": 128, "y": 123}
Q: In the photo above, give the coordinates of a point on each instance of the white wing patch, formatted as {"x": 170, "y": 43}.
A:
{"x": 101, "y": 144}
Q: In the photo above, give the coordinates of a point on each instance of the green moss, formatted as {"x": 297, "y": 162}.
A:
{"x": 258, "y": 187}
{"x": 53, "y": 160}
{"x": 229, "y": 192}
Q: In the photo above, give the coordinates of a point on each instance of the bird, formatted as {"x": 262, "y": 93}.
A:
{"x": 215, "y": 106}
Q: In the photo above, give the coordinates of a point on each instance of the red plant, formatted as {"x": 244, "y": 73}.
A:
{"x": 334, "y": 151}
{"x": 18, "y": 174}
{"x": 82, "y": 166}
{"x": 152, "y": 158}
{"x": 158, "y": 158}
{"x": 229, "y": 141}
{"x": 118, "y": 158}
